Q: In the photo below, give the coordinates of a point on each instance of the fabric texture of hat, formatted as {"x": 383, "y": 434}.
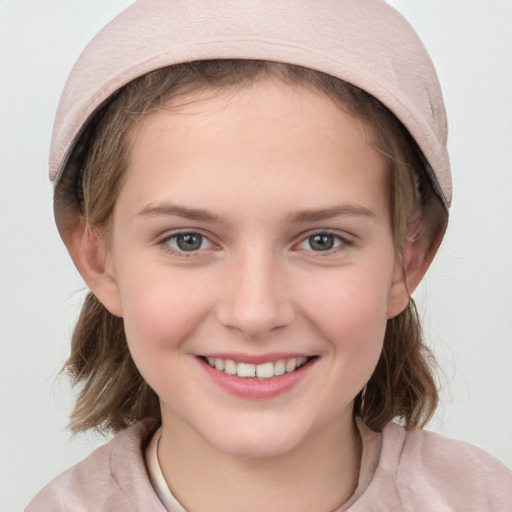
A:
{"x": 364, "y": 42}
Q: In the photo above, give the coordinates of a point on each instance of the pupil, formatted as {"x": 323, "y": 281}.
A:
{"x": 322, "y": 242}
{"x": 189, "y": 242}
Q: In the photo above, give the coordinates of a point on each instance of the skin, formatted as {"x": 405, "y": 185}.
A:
{"x": 256, "y": 172}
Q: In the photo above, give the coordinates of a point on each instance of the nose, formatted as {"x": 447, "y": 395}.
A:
{"x": 255, "y": 299}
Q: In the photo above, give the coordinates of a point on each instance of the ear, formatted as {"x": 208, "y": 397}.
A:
{"x": 417, "y": 257}
{"x": 88, "y": 251}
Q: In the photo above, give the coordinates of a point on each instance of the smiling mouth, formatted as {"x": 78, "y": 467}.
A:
{"x": 261, "y": 371}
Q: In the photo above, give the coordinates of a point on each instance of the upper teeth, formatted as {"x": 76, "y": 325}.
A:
{"x": 262, "y": 371}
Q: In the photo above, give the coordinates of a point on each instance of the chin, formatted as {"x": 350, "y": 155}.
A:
{"x": 257, "y": 440}
{"x": 257, "y": 447}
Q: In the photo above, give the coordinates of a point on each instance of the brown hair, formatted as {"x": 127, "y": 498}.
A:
{"x": 113, "y": 394}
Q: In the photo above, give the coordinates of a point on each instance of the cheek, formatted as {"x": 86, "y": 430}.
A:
{"x": 350, "y": 309}
{"x": 160, "y": 311}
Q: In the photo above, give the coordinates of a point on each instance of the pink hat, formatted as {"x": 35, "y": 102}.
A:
{"x": 364, "y": 42}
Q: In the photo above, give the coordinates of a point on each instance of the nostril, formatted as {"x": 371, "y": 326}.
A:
{"x": 256, "y": 320}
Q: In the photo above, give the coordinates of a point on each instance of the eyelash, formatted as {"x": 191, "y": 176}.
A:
{"x": 341, "y": 242}
{"x": 173, "y": 237}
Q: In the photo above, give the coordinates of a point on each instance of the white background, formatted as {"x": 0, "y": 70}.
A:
{"x": 466, "y": 299}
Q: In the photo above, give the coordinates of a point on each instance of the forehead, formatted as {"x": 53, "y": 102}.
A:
{"x": 299, "y": 139}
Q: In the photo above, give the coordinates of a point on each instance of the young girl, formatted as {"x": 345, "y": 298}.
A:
{"x": 252, "y": 191}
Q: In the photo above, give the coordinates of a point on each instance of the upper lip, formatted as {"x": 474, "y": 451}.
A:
{"x": 256, "y": 358}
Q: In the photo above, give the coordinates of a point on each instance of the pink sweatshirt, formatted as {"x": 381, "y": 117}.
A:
{"x": 417, "y": 472}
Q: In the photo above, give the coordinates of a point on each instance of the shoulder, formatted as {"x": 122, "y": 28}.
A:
{"x": 436, "y": 453}
{"x": 113, "y": 477}
{"x": 428, "y": 471}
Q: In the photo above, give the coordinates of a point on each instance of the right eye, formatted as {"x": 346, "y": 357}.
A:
{"x": 187, "y": 241}
{"x": 323, "y": 242}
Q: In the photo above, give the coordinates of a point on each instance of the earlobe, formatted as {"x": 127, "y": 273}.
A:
{"x": 87, "y": 248}
{"x": 399, "y": 294}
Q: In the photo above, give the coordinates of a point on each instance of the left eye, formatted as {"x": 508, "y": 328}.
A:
{"x": 321, "y": 242}
{"x": 188, "y": 242}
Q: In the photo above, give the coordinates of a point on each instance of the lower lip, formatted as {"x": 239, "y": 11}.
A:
{"x": 257, "y": 389}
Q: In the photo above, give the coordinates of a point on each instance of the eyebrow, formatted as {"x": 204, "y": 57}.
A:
{"x": 314, "y": 214}
{"x": 301, "y": 216}
{"x": 164, "y": 209}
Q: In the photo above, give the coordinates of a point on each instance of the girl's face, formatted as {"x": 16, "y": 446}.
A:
{"x": 252, "y": 236}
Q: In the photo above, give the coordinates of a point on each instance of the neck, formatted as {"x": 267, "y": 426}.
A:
{"x": 320, "y": 474}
